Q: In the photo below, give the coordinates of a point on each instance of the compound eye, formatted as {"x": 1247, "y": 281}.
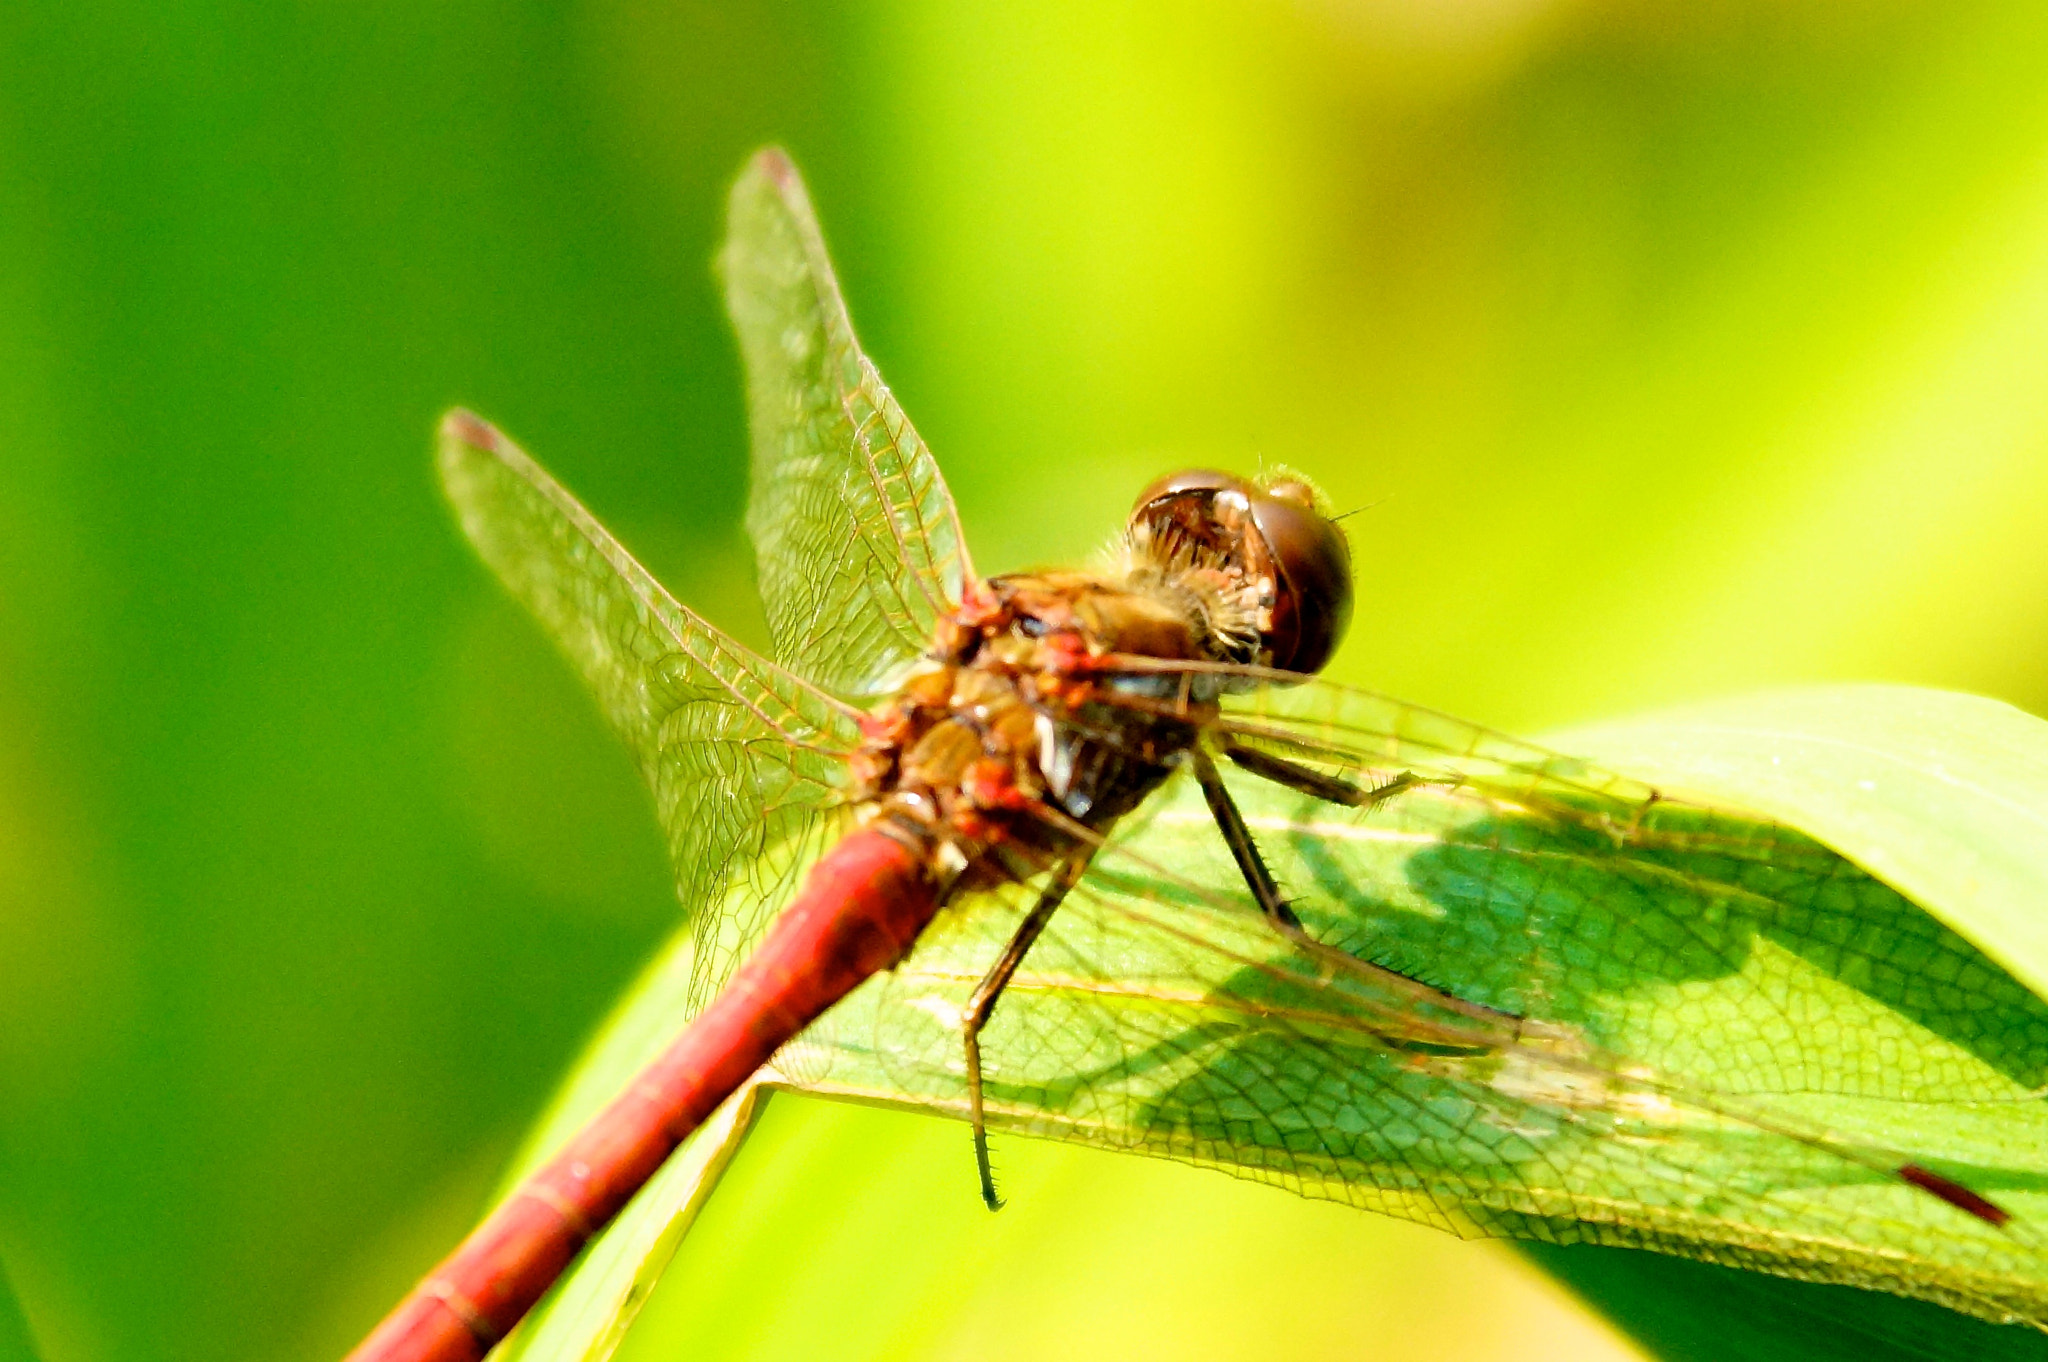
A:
{"x": 1312, "y": 565}
{"x": 1274, "y": 529}
{"x": 1190, "y": 482}
{"x": 1294, "y": 490}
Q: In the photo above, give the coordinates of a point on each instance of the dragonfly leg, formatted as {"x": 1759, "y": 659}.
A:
{"x": 1331, "y": 789}
{"x": 1311, "y": 782}
{"x": 981, "y": 1004}
{"x": 1238, "y": 837}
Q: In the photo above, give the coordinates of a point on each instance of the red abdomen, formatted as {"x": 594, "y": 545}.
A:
{"x": 860, "y": 909}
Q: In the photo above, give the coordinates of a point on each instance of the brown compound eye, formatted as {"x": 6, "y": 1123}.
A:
{"x": 1312, "y": 564}
{"x": 1287, "y": 536}
{"x": 1193, "y": 483}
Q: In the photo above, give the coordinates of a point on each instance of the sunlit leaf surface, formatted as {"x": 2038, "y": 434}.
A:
{"x": 1943, "y": 796}
{"x": 1730, "y": 956}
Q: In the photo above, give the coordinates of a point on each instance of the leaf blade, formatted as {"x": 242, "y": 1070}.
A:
{"x": 1954, "y": 813}
{"x": 892, "y": 1044}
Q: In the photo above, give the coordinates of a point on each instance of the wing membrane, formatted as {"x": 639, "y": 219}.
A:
{"x": 858, "y": 545}
{"x": 1489, "y": 828}
{"x": 1344, "y": 729}
{"x": 1372, "y": 742}
{"x": 741, "y": 755}
{"x": 1825, "y": 1020}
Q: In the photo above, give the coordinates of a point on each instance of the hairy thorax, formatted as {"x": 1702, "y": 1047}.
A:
{"x": 1018, "y": 714}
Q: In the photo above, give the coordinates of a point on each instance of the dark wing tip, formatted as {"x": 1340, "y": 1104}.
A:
{"x": 466, "y": 427}
{"x": 1955, "y": 1194}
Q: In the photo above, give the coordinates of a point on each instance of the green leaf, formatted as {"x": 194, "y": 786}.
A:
{"x": 1945, "y": 796}
{"x": 1942, "y": 796}
{"x": 1788, "y": 1023}
{"x": 1683, "y": 1311}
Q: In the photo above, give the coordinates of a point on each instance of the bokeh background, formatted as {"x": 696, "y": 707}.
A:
{"x": 1676, "y": 350}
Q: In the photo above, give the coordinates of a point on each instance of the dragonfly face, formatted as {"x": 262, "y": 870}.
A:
{"x": 1270, "y": 573}
{"x": 1025, "y": 713}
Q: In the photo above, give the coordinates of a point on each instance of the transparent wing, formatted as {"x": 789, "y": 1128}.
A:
{"x": 741, "y": 755}
{"x": 1533, "y": 999}
{"x": 1371, "y": 742}
{"x": 858, "y": 545}
{"x": 1146, "y": 1021}
{"x": 1361, "y": 733}
{"x": 1482, "y": 827}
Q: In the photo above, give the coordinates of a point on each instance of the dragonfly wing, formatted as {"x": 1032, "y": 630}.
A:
{"x": 1659, "y": 888}
{"x": 1782, "y": 1037}
{"x": 741, "y": 755}
{"x": 1361, "y": 735}
{"x": 858, "y": 544}
{"x": 1386, "y": 751}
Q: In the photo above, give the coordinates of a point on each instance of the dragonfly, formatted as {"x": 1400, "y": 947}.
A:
{"x": 1246, "y": 916}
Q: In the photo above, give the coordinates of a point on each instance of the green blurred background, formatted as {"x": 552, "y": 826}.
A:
{"x": 1676, "y": 349}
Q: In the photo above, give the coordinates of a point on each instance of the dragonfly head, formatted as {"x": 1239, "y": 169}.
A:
{"x": 1270, "y": 541}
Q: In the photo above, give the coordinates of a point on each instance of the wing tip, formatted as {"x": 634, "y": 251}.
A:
{"x": 774, "y": 165}
{"x": 771, "y": 174}
{"x": 464, "y": 427}
{"x": 768, "y": 192}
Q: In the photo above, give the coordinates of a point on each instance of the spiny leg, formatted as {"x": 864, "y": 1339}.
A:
{"x": 1238, "y": 837}
{"x": 1335, "y": 790}
{"x": 1331, "y": 789}
{"x": 981, "y": 1004}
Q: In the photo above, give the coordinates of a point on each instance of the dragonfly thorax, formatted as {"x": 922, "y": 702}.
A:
{"x": 1050, "y": 703}
{"x": 1012, "y": 725}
